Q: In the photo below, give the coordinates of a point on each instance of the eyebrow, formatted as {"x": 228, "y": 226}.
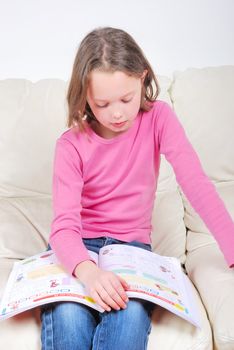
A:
{"x": 98, "y": 99}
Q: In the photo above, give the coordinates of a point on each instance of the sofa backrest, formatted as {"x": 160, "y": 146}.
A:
{"x": 33, "y": 115}
{"x": 203, "y": 99}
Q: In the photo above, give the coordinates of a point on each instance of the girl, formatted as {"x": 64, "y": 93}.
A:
{"x": 105, "y": 175}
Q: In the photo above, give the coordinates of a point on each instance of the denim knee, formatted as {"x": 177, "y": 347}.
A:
{"x": 125, "y": 329}
{"x": 137, "y": 316}
{"x": 67, "y": 326}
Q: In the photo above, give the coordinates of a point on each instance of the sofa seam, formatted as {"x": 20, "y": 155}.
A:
{"x": 224, "y": 337}
{"x": 202, "y": 341}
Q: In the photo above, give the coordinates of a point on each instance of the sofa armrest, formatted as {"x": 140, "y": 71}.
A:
{"x": 214, "y": 280}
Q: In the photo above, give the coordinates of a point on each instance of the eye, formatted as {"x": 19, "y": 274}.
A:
{"x": 101, "y": 106}
{"x": 124, "y": 101}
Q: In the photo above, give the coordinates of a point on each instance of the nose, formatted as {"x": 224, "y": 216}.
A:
{"x": 117, "y": 116}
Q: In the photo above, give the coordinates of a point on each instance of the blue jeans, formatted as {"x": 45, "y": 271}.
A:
{"x": 74, "y": 326}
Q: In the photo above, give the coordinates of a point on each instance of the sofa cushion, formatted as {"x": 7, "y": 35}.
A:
{"x": 32, "y": 116}
{"x": 24, "y": 225}
{"x": 215, "y": 283}
{"x": 203, "y": 100}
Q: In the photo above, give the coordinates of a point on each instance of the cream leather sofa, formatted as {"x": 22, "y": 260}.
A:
{"x": 32, "y": 117}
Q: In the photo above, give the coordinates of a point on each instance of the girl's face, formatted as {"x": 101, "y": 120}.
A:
{"x": 114, "y": 99}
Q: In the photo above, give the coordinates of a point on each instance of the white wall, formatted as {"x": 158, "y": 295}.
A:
{"x": 39, "y": 38}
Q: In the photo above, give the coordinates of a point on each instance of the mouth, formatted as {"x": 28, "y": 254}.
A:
{"x": 118, "y": 125}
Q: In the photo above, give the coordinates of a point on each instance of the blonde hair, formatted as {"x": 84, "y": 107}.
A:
{"x": 107, "y": 49}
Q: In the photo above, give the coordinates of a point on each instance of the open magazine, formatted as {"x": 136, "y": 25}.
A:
{"x": 41, "y": 279}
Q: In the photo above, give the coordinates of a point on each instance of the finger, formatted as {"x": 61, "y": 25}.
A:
{"x": 119, "y": 288}
{"x": 123, "y": 282}
{"x": 110, "y": 296}
{"x": 99, "y": 301}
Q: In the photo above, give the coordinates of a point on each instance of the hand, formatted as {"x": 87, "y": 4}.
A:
{"x": 105, "y": 287}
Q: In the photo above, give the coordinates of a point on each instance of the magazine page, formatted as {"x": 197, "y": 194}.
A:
{"x": 38, "y": 280}
{"x": 152, "y": 277}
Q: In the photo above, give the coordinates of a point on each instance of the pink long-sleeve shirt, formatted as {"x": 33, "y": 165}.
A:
{"x": 106, "y": 187}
